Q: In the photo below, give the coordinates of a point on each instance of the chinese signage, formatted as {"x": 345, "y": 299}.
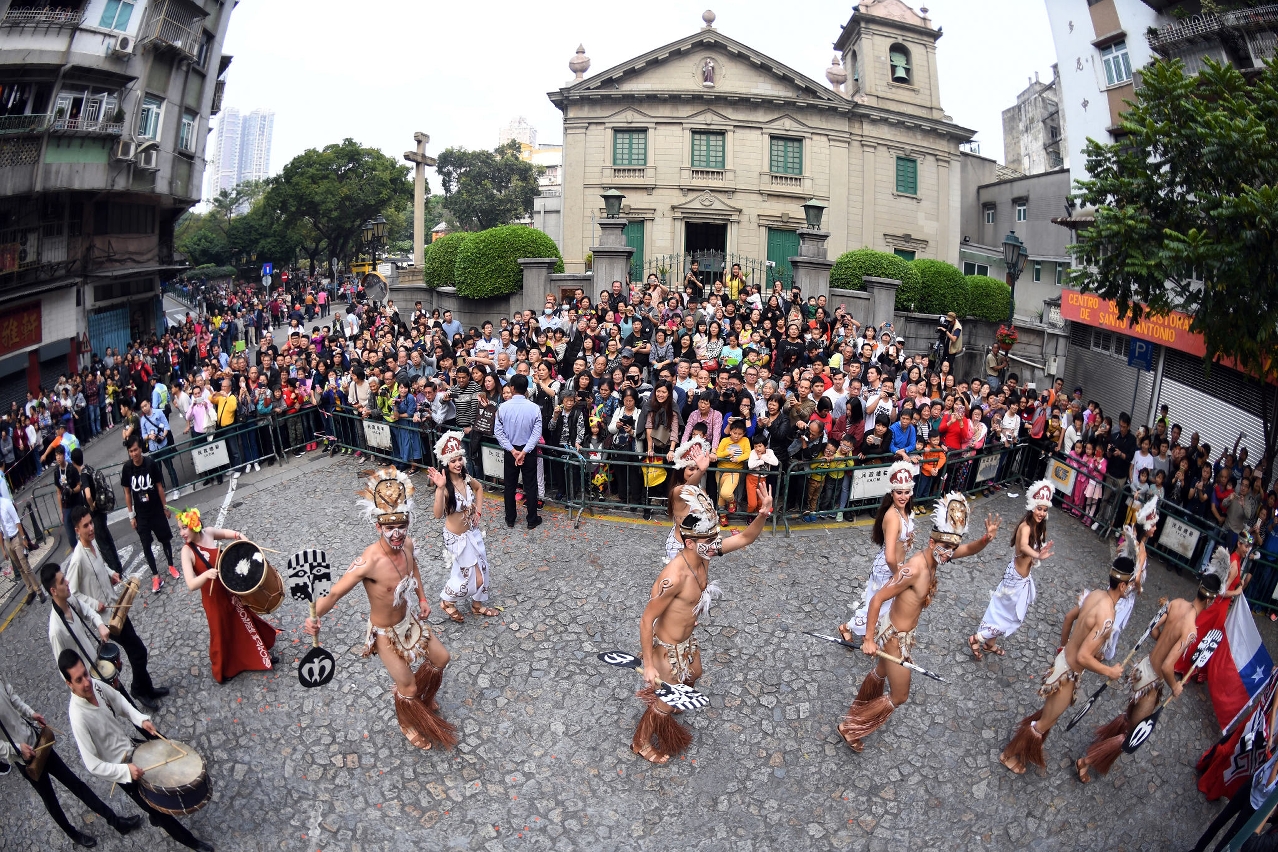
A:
{"x": 377, "y": 435}
{"x": 872, "y": 481}
{"x": 1171, "y": 330}
{"x": 20, "y": 328}
{"x": 1179, "y": 537}
{"x": 210, "y": 457}
{"x": 988, "y": 467}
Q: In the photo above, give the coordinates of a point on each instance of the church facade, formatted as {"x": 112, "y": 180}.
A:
{"x": 716, "y": 147}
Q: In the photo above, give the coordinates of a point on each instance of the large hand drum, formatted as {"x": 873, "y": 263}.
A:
{"x": 174, "y": 780}
{"x": 310, "y": 578}
{"x": 244, "y": 571}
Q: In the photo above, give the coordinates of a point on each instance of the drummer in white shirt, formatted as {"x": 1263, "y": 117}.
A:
{"x": 98, "y": 715}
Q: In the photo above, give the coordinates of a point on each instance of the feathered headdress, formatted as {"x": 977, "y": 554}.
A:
{"x": 1147, "y": 517}
{"x": 1220, "y": 563}
{"x": 1039, "y": 495}
{"x": 1123, "y": 569}
{"x": 190, "y": 518}
{"x": 949, "y": 519}
{"x": 450, "y": 446}
{"x": 387, "y": 496}
{"x": 702, "y": 519}
{"x": 901, "y": 476}
{"x": 768, "y": 458}
{"x": 690, "y": 452}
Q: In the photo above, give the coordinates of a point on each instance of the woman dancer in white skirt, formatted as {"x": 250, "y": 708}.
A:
{"x": 1133, "y": 547}
{"x": 894, "y": 533}
{"x": 1011, "y": 600}
{"x": 459, "y": 500}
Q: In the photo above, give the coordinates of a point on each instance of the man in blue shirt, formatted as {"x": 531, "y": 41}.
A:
{"x": 157, "y": 433}
{"x": 904, "y": 435}
{"x": 518, "y": 429}
{"x": 451, "y": 326}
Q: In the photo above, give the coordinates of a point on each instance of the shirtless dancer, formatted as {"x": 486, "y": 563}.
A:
{"x": 1083, "y": 635}
{"x": 680, "y": 595}
{"x": 1011, "y": 600}
{"x": 388, "y": 570}
{"x": 459, "y": 500}
{"x": 908, "y": 593}
{"x": 1173, "y": 633}
{"x": 692, "y": 460}
{"x": 894, "y": 533}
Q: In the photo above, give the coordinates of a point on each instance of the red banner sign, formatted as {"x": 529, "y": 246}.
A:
{"x": 1171, "y": 330}
{"x": 20, "y": 328}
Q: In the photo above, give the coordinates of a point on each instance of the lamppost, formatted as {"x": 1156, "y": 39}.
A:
{"x": 612, "y": 202}
{"x": 373, "y": 233}
{"x": 1014, "y": 256}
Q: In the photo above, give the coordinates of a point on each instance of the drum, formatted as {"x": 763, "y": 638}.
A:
{"x": 243, "y": 569}
{"x": 108, "y": 663}
{"x": 174, "y": 780}
{"x": 44, "y": 745}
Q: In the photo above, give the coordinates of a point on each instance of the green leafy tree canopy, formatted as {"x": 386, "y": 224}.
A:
{"x": 484, "y": 189}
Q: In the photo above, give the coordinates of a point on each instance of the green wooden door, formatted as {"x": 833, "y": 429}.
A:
{"x": 782, "y": 245}
{"x": 634, "y": 239}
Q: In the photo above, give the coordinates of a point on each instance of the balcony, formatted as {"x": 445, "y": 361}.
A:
{"x": 176, "y": 24}
{"x": 629, "y": 175}
{"x": 689, "y": 176}
{"x": 785, "y": 184}
{"x": 47, "y": 16}
{"x": 87, "y": 127}
{"x": 1199, "y": 28}
{"x": 13, "y": 125}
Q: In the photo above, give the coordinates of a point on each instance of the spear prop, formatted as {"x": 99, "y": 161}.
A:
{"x": 1144, "y": 729}
{"x": 881, "y": 654}
{"x": 1078, "y": 717}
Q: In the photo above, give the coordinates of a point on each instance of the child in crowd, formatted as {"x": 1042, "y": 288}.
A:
{"x": 732, "y": 454}
{"x": 837, "y": 462}
{"x": 762, "y": 461}
{"x": 847, "y": 449}
{"x": 818, "y": 471}
{"x": 933, "y": 465}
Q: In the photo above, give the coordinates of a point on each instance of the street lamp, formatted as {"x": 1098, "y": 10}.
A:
{"x": 612, "y": 203}
{"x": 813, "y": 210}
{"x": 373, "y": 233}
{"x": 1014, "y": 256}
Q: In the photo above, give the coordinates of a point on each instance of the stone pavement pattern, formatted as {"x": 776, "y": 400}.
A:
{"x": 544, "y": 759}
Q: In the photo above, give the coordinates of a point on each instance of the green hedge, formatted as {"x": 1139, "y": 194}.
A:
{"x": 210, "y": 270}
{"x": 438, "y": 268}
{"x": 991, "y": 299}
{"x": 944, "y": 288}
{"x": 487, "y": 263}
{"x": 853, "y": 265}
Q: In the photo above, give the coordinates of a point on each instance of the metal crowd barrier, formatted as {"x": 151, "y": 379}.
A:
{"x": 1262, "y": 591}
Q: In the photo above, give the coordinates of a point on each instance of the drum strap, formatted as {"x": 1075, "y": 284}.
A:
{"x": 91, "y": 658}
{"x": 9, "y": 737}
{"x": 199, "y": 554}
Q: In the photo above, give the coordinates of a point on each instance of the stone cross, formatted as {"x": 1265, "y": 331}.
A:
{"x": 420, "y": 161}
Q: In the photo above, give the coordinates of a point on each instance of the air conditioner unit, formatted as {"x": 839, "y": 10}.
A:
{"x": 125, "y": 149}
{"x": 149, "y": 159}
{"x": 123, "y": 46}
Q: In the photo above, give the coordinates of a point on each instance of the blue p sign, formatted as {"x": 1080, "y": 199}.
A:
{"x": 1140, "y": 353}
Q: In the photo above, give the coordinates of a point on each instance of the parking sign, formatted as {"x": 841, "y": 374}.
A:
{"x": 1140, "y": 353}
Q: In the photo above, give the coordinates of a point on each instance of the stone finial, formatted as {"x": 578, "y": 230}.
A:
{"x": 708, "y": 17}
{"x": 580, "y": 63}
{"x": 836, "y": 74}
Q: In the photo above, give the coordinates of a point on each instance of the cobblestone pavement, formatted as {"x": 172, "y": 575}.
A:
{"x": 544, "y": 760}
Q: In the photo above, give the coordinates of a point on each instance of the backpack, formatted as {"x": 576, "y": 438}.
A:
{"x": 103, "y": 493}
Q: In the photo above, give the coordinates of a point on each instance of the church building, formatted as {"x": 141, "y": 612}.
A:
{"x": 717, "y": 146}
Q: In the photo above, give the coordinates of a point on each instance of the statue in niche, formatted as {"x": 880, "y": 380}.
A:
{"x": 707, "y": 73}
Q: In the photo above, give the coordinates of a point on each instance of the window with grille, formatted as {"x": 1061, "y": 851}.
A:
{"x": 972, "y": 268}
{"x": 1118, "y": 64}
{"x": 707, "y": 150}
{"x": 186, "y": 136}
{"x": 787, "y": 156}
{"x": 907, "y": 175}
{"x": 630, "y": 148}
{"x": 149, "y": 117}
{"x": 1109, "y": 343}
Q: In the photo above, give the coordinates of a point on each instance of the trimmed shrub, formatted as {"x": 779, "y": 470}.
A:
{"x": 944, "y": 287}
{"x": 487, "y": 263}
{"x": 851, "y": 266}
{"x": 441, "y": 260}
{"x": 991, "y": 299}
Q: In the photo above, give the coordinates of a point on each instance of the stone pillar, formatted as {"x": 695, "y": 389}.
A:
{"x": 611, "y": 256}
{"x": 812, "y": 266}
{"x": 882, "y": 299}
{"x": 537, "y": 280}
{"x": 420, "y": 161}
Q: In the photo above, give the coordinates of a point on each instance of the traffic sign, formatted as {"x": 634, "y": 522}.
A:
{"x": 266, "y": 281}
{"x": 332, "y": 264}
{"x": 267, "y": 268}
{"x": 1140, "y": 353}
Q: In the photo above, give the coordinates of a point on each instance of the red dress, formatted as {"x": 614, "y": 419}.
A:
{"x": 239, "y": 641}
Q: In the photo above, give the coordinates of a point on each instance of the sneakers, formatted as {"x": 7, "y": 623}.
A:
{"x": 256, "y": 466}
{"x": 173, "y": 572}
{"x": 156, "y": 584}
{"x": 175, "y": 493}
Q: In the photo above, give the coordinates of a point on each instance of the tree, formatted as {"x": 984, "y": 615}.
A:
{"x": 944, "y": 289}
{"x": 852, "y": 266}
{"x": 1186, "y": 211}
{"x": 484, "y": 189}
{"x": 488, "y": 262}
{"x": 323, "y": 197}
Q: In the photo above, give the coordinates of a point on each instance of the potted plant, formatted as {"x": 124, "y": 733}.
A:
{"x": 1006, "y": 336}
{"x": 590, "y": 261}
{"x": 662, "y": 272}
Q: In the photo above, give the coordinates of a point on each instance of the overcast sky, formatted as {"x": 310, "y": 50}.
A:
{"x": 378, "y": 70}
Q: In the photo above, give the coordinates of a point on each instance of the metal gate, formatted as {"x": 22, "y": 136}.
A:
{"x": 109, "y": 328}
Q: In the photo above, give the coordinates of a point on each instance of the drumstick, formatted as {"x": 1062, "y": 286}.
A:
{"x": 162, "y": 762}
{"x": 183, "y": 752}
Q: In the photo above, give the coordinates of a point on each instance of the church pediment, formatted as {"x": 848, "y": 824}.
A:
{"x": 707, "y": 63}
{"x": 705, "y": 202}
